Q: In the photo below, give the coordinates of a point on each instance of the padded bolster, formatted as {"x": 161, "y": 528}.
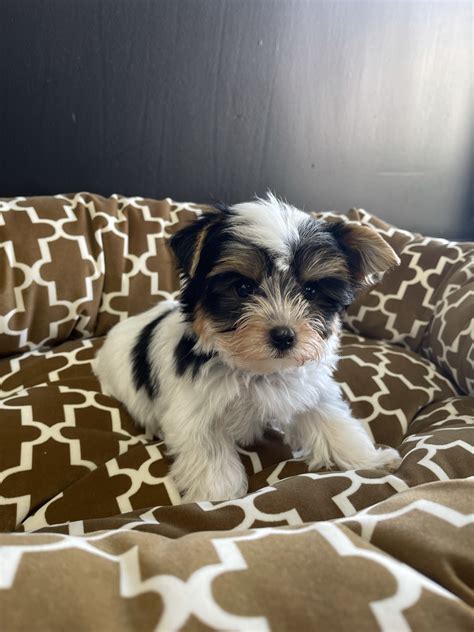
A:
{"x": 449, "y": 341}
{"x": 71, "y": 266}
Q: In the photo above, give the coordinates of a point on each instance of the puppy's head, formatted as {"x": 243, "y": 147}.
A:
{"x": 264, "y": 283}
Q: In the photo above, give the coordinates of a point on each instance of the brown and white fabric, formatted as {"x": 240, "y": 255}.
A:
{"x": 72, "y": 266}
{"x": 95, "y": 536}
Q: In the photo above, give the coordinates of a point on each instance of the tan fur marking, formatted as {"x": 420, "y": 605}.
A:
{"x": 249, "y": 345}
{"x": 244, "y": 261}
{"x": 310, "y": 344}
{"x": 197, "y": 250}
{"x": 202, "y": 326}
{"x": 320, "y": 267}
{"x": 376, "y": 255}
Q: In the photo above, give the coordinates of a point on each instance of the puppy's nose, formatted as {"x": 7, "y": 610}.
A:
{"x": 282, "y": 337}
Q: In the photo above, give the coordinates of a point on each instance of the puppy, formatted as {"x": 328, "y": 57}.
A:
{"x": 252, "y": 342}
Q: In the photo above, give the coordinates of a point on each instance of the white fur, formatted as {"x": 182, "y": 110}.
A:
{"x": 269, "y": 223}
{"x": 202, "y": 419}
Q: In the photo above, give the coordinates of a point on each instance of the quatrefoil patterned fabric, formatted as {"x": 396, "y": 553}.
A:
{"x": 94, "y": 533}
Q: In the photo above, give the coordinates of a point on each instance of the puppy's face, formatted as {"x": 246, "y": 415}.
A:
{"x": 265, "y": 283}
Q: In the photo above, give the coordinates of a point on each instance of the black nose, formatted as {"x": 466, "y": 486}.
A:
{"x": 282, "y": 337}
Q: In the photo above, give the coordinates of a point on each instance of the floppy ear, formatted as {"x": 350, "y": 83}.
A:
{"x": 188, "y": 242}
{"x": 368, "y": 254}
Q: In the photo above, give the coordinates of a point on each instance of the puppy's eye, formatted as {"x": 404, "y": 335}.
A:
{"x": 310, "y": 290}
{"x": 244, "y": 287}
{"x": 329, "y": 290}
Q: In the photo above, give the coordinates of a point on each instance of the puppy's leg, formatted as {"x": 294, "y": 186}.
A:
{"x": 207, "y": 465}
{"x": 329, "y": 435}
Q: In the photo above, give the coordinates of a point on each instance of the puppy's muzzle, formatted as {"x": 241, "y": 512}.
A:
{"x": 282, "y": 338}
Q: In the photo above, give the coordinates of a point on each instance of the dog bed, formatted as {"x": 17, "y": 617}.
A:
{"x": 94, "y": 535}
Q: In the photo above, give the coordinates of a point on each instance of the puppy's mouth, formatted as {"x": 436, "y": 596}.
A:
{"x": 292, "y": 358}
{"x": 269, "y": 364}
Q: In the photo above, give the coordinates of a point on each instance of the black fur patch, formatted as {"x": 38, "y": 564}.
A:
{"x": 314, "y": 237}
{"x": 220, "y": 300}
{"x": 142, "y": 376}
{"x": 214, "y": 242}
{"x": 186, "y": 358}
{"x": 184, "y": 241}
{"x": 222, "y": 207}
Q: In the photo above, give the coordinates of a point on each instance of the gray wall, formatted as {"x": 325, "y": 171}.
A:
{"x": 329, "y": 103}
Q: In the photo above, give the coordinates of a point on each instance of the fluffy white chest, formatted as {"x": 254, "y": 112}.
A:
{"x": 272, "y": 400}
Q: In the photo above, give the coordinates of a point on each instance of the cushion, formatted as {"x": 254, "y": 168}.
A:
{"x": 72, "y": 266}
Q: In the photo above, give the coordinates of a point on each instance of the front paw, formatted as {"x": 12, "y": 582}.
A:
{"x": 388, "y": 459}
{"x": 375, "y": 458}
{"x": 213, "y": 485}
{"x": 368, "y": 459}
{"x": 203, "y": 490}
